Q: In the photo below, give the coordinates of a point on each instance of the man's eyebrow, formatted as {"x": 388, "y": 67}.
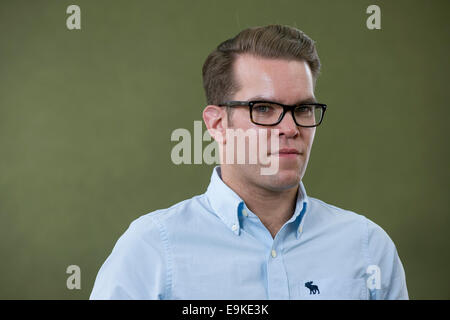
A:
{"x": 307, "y": 100}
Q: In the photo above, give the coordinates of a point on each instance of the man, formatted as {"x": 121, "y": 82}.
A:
{"x": 254, "y": 235}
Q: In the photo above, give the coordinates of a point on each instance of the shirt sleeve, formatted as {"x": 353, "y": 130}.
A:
{"x": 386, "y": 274}
{"x": 136, "y": 267}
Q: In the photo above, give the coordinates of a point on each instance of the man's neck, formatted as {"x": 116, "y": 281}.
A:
{"x": 273, "y": 208}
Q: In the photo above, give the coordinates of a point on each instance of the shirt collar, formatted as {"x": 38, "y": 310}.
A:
{"x": 227, "y": 204}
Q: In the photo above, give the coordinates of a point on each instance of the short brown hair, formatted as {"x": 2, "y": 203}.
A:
{"x": 272, "y": 41}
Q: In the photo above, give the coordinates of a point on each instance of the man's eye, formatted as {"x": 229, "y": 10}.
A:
{"x": 305, "y": 109}
{"x": 263, "y": 109}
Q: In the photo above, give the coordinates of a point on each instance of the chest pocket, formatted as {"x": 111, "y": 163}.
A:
{"x": 332, "y": 289}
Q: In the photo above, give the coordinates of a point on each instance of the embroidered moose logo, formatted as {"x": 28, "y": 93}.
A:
{"x": 312, "y": 287}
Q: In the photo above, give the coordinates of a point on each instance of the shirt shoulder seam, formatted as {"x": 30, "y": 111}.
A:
{"x": 167, "y": 255}
{"x": 159, "y": 213}
{"x": 366, "y": 242}
{"x": 333, "y": 207}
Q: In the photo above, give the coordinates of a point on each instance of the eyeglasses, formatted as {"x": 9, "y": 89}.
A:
{"x": 268, "y": 113}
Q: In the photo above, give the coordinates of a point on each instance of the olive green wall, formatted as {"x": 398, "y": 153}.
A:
{"x": 86, "y": 118}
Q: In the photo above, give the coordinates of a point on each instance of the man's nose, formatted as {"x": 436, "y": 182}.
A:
{"x": 287, "y": 126}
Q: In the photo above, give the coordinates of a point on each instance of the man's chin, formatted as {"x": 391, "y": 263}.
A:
{"x": 285, "y": 179}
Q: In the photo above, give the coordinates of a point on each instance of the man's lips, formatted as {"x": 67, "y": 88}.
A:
{"x": 287, "y": 152}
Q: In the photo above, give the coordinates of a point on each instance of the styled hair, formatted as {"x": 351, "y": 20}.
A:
{"x": 272, "y": 41}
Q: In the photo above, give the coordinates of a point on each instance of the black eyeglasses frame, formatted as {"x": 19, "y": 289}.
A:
{"x": 286, "y": 108}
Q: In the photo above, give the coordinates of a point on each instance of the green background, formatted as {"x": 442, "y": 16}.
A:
{"x": 86, "y": 118}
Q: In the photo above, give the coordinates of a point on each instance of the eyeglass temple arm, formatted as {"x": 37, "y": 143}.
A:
{"x": 234, "y": 104}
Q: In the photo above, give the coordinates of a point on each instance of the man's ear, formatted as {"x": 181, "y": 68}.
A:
{"x": 216, "y": 122}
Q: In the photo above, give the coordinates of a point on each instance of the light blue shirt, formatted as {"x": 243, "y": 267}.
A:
{"x": 213, "y": 247}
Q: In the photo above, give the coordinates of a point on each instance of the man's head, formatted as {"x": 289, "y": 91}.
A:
{"x": 274, "y": 63}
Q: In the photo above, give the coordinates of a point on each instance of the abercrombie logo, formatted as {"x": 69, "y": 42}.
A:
{"x": 312, "y": 287}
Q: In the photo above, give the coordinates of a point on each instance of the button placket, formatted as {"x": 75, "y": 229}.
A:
{"x": 278, "y": 287}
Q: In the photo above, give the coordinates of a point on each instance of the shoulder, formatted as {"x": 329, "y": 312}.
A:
{"x": 157, "y": 220}
{"x": 372, "y": 233}
{"x": 329, "y": 213}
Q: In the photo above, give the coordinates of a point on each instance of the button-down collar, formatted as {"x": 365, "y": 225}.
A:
{"x": 228, "y": 205}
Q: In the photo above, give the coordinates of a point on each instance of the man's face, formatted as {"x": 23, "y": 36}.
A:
{"x": 286, "y": 82}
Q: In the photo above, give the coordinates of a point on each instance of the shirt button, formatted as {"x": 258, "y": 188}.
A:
{"x": 274, "y": 253}
{"x": 244, "y": 212}
{"x": 234, "y": 227}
